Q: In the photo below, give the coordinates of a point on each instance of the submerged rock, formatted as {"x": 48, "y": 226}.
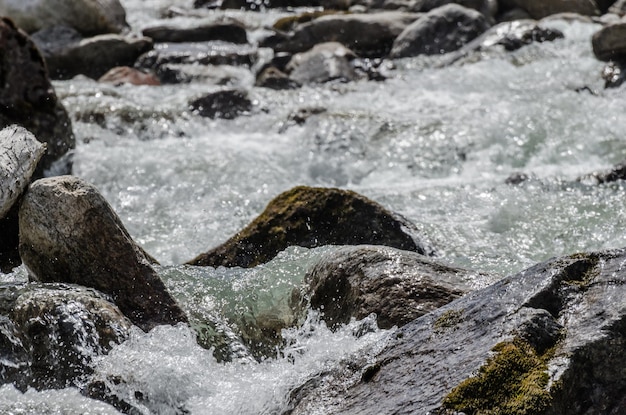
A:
{"x": 548, "y": 340}
{"x": 27, "y": 97}
{"x": 368, "y": 35}
{"x": 311, "y": 217}
{"x": 69, "y": 233}
{"x": 442, "y": 30}
{"x": 398, "y": 286}
{"x": 227, "y": 104}
{"x": 324, "y": 62}
{"x": 614, "y": 74}
{"x": 52, "y": 332}
{"x": 617, "y": 172}
{"x": 89, "y": 17}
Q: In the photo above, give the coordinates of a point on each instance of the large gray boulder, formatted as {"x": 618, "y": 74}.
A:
{"x": 311, "y": 217}
{"x": 50, "y": 333}
{"x": 549, "y": 340}
{"x": 89, "y": 17}
{"x": 368, "y": 35}
{"x": 442, "y": 30}
{"x": 68, "y": 54}
{"x": 324, "y": 62}
{"x": 398, "y": 286}
{"x": 69, "y": 233}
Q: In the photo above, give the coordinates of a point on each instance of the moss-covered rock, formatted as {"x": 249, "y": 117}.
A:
{"x": 311, "y": 217}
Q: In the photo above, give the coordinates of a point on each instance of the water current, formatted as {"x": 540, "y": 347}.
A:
{"x": 434, "y": 144}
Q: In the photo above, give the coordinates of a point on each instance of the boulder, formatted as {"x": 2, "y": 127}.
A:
{"x": 488, "y": 8}
{"x": 311, "y": 217}
{"x": 68, "y": 54}
{"x": 609, "y": 43}
{"x": 227, "y": 104}
{"x": 442, "y": 30}
{"x": 89, "y": 17}
{"x": 69, "y": 233}
{"x": 53, "y": 332}
{"x": 618, "y": 8}
{"x": 324, "y": 62}
{"x": 125, "y": 75}
{"x": 368, "y": 35}
{"x": 398, "y": 286}
{"x": 548, "y": 340}
{"x": 538, "y": 9}
{"x": 228, "y": 32}
{"x": 27, "y": 97}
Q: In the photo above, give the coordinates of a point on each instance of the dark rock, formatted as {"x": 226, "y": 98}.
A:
{"x": 273, "y": 78}
{"x": 398, "y": 286}
{"x": 442, "y": 30}
{"x": 324, "y": 62}
{"x": 618, "y": 172}
{"x": 228, "y": 104}
{"x": 228, "y": 32}
{"x": 510, "y": 35}
{"x": 614, "y": 74}
{"x": 69, "y": 233}
{"x": 125, "y": 75}
{"x": 89, "y": 17}
{"x": 310, "y": 217}
{"x": 207, "y": 53}
{"x": 368, "y": 35}
{"x": 289, "y": 23}
{"x": 516, "y": 178}
{"x": 267, "y": 4}
{"x": 27, "y": 97}
{"x": 538, "y": 9}
{"x": 487, "y": 8}
{"x": 548, "y": 340}
{"x": 69, "y": 55}
{"x": 175, "y": 73}
{"x": 609, "y": 43}
{"x": 53, "y": 332}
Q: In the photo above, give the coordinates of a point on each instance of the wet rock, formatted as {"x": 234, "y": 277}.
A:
{"x": 510, "y": 35}
{"x": 27, "y": 97}
{"x": 487, "y": 8}
{"x": 538, "y": 9}
{"x": 69, "y": 233}
{"x": 289, "y": 23}
{"x": 267, "y": 4}
{"x": 89, "y": 17}
{"x": 617, "y": 172}
{"x": 70, "y": 55}
{"x": 227, "y": 103}
{"x": 205, "y": 53}
{"x": 368, "y": 35}
{"x": 311, "y": 217}
{"x": 228, "y": 32}
{"x": 548, "y": 340}
{"x": 53, "y": 332}
{"x": 442, "y": 30}
{"x": 398, "y": 286}
{"x": 618, "y": 8}
{"x": 125, "y": 75}
{"x": 609, "y": 43}
{"x": 324, "y": 62}
{"x": 614, "y": 74}
{"x": 273, "y": 78}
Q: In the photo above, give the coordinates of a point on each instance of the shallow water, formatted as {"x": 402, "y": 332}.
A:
{"x": 435, "y": 145}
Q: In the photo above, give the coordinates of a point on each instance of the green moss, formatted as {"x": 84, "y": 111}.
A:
{"x": 513, "y": 382}
{"x": 448, "y": 319}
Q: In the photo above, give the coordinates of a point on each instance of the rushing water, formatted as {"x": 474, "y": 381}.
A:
{"x": 435, "y": 145}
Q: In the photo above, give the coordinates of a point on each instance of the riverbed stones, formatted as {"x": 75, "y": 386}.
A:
{"x": 28, "y": 99}
{"x": 548, "y": 340}
{"x": 311, "y": 217}
{"x": 89, "y": 17}
{"x": 323, "y": 63}
{"x": 538, "y": 9}
{"x": 609, "y": 43}
{"x": 69, "y": 233}
{"x": 398, "y": 286}
{"x": 53, "y": 332}
{"x": 368, "y": 35}
{"x": 227, "y": 31}
{"x": 442, "y": 30}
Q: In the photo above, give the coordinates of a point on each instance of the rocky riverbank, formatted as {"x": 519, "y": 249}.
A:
{"x": 545, "y": 341}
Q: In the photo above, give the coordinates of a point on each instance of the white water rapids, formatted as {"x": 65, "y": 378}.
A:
{"x": 435, "y": 145}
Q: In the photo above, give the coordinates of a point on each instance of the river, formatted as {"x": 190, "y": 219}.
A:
{"x": 433, "y": 144}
